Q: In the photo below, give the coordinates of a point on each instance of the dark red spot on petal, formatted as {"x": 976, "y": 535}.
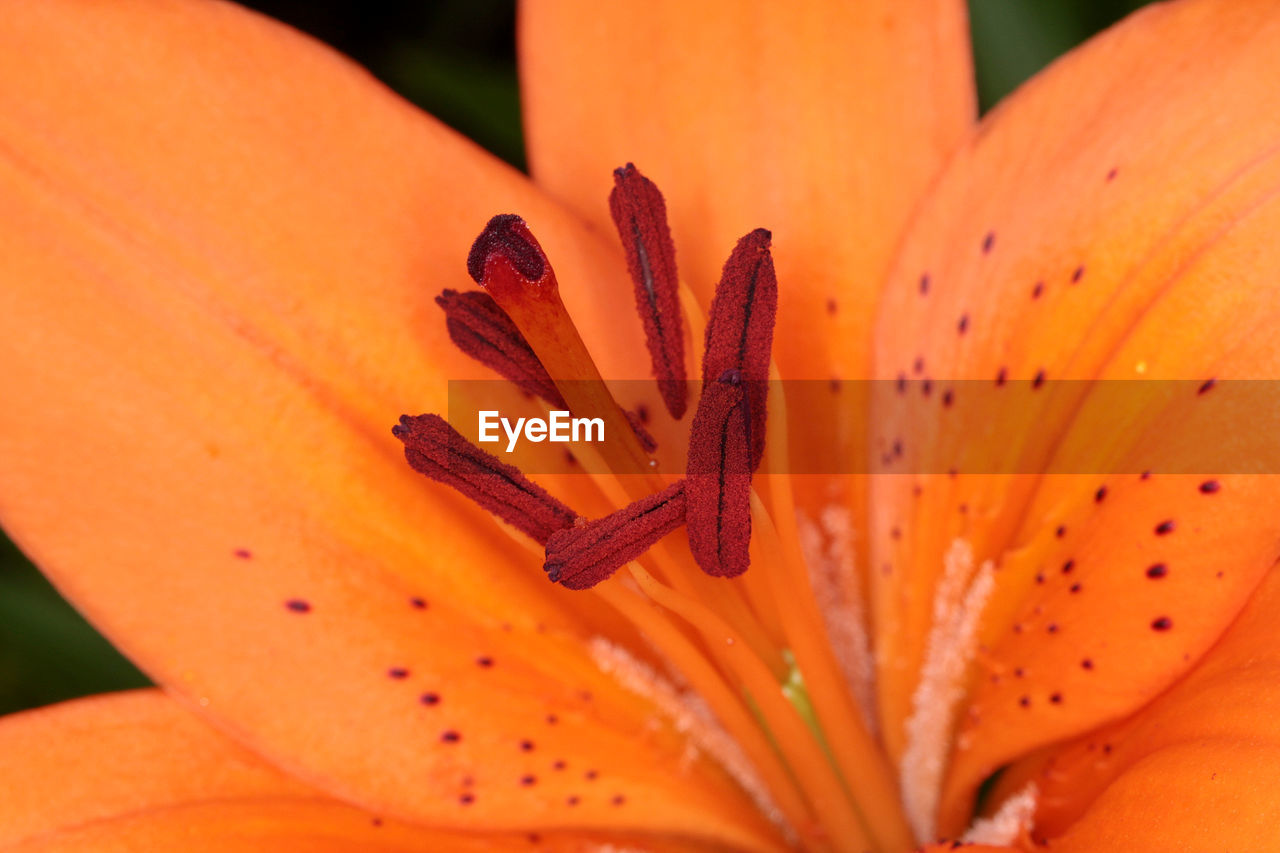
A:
{"x": 1157, "y": 571}
{"x": 398, "y": 672}
{"x": 618, "y": 800}
{"x": 1086, "y": 664}
{"x": 429, "y": 698}
{"x": 924, "y": 284}
{"x": 1056, "y": 698}
{"x": 1038, "y": 380}
{"x": 1077, "y": 274}
{"x": 467, "y": 799}
{"x": 1001, "y": 376}
{"x": 1206, "y": 386}
{"x": 963, "y": 325}
{"x": 297, "y": 605}
{"x": 1100, "y": 495}
{"x": 1164, "y": 623}
{"x": 1166, "y": 527}
{"x": 450, "y": 736}
{"x": 418, "y": 603}
{"x": 1210, "y": 487}
{"x": 1038, "y": 290}
{"x": 1068, "y": 566}
{"x": 528, "y": 780}
{"x": 243, "y": 554}
{"x": 1060, "y": 531}
{"x": 988, "y": 242}
{"x": 484, "y": 662}
{"x": 526, "y": 746}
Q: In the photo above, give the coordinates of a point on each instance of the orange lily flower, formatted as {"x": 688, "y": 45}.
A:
{"x": 220, "y": 248}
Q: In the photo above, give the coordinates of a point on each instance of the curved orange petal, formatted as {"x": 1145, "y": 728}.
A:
{"x": 821, "y": 122}
{"x": 136, "y": 771}
{"x": 1210, "y": 744}
{"x": 217, "y": 300}
{"x": 1102, "y": 225}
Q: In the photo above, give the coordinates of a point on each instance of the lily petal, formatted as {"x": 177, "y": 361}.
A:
{"x": 218, "y": 298}
{"x": 821, "y": 122}
{"x": 1112, "y": 220}
{"x": 1209, "y": 744}
{"x": 134, "y": 771}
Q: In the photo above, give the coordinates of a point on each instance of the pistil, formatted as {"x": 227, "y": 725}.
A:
{"x": 509, "y": 263}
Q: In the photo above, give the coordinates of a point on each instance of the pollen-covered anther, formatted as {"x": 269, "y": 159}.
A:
{"x": 640, "y": 215}
{"x": 435, "y": 449}
{"x": 581, "y": 556}
{"x": 740, "y": 327}
{"x": 726, "y": 440}
{"x": 482, "y": 330}
{"x": 719, "y": 478}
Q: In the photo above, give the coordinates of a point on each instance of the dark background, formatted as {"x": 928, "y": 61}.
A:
{"x": 455, "y": 59}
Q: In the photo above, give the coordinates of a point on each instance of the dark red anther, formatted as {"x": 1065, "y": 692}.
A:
{"x": 482, "y": 330}
{"x": 582, "y": 556}
{"x": 437, "y": 450}
{"x": 640, "y": 215}
{"x": 718, "y": 488}
{"x": 740, "y": 327}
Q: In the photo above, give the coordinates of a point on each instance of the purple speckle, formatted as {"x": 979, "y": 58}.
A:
{"x": 297, "y": 605}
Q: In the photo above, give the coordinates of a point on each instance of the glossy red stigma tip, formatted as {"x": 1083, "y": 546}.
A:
{"x": 507, "y": 236}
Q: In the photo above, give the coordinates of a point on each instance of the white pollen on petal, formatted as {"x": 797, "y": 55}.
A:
{"x": 1011, "y": 821}
{"x": 828, "y": 549}
{"x": 958, "y": 602}
{"x": 690, "y": 715}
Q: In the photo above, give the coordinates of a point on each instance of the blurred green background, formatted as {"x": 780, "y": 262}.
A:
{"x": 455, "y": 59}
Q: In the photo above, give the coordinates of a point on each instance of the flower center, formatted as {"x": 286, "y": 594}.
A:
{"x": 753, "y": 644}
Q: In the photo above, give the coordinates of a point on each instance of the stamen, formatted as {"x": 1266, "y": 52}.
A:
{"x": 437, "y": 450}
{"x": 719, "y": 481}
{"x": 726, "y": 441}
{"x": 740, "y": 328}
{"x": 582, "y": 556}
{"x": 640, "y": 215}
{"x": 483, "y": 331}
